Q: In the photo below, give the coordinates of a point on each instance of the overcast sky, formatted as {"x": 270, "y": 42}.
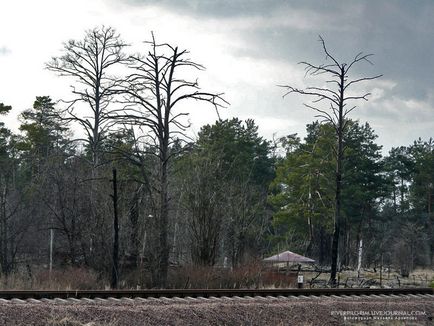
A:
{"x": 248, "y": 47}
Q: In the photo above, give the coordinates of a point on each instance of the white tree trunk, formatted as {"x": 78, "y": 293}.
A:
{"x": 359, "y": 261}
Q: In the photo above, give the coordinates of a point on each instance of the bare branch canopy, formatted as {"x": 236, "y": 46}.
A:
{"x": 335, "y": 112}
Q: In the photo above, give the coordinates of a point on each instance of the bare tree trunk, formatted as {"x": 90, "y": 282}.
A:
{"x": 134, "y": 233}
{"x": 3, "y": 231}
{"x": 310, "y": 226}
{"x": 430, "y": 226}
{"x": 91, "y": 62}
{"x": 152, "y": 93}
{"x": 336, "y": 115}
{"x": 339, "y": 160}
{"x": 359, "y": 257}
{"x": 115, "y": 266}
{"x": 163, "y": 226}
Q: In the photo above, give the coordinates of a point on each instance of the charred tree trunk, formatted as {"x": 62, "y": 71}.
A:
{"x": 151, "y": 95}
{"x": 163, "y": 227}
{"x": 336, "y": 114}
{"x": 115, "y": 266}
{"x": 339, "y": 161}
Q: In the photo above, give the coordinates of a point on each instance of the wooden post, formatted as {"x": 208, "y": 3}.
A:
{"x": 115, "y": 267}
{"x": 300, "y": 279}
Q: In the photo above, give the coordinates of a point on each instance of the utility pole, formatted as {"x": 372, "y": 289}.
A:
{"x": 115, "y": 267}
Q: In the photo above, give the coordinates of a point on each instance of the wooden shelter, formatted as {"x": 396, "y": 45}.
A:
{"x": 288, "y": 257}
{"x": 283, "y": 277}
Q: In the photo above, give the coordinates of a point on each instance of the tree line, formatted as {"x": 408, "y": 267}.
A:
{"x": 386, "y": 201}
{"x": 225, "y": 198}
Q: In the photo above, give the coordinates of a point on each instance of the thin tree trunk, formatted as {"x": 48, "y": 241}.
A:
{"x": 359, "y": 257}
{"x": 134, "y": 220}
{"x": 340, "y": 154}
{"x": 115, "y": 267}
{"x": 164, "y": 248}
{"x": 4, "y": 231}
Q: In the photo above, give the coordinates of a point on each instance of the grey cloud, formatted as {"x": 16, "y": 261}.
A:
{"x": 234, "y": 8}
{"x": 399, "y": 33}
{"x": 210, "y": 8}
{"x": 4, "y": 50}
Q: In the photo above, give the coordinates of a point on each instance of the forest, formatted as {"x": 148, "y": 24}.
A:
{"x": 109, "y": 180}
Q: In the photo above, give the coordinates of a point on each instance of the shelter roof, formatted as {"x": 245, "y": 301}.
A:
{"x": 289, "y": 256}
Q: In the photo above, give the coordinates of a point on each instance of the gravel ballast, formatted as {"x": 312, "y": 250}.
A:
{"x": 408, "y": 310}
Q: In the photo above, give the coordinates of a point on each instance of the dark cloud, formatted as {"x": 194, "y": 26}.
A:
{"x": 211, "y": 8}
{"x": 399, "y": 33}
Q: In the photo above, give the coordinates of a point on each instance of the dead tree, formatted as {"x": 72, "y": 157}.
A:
{"x": 153, "y": 91}
{"x": 338, "y": 107}
{"x": 90, "y": 62}
{"x": 115, "y": 266}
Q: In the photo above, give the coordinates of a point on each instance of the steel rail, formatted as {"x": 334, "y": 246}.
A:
{"x": 171, "y": 293}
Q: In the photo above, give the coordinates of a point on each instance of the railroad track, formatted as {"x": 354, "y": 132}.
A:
{"x": 207, "y": 293}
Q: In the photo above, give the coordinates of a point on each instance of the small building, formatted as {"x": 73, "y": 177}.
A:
{"x": 278, "y": 272}
{"x": 288, "y": 257}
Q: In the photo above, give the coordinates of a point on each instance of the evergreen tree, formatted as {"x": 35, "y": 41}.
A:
{"x": 302, "y": 193}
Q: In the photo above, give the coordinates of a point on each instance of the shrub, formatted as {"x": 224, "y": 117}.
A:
{"x": 246, "y": 276}
{"x": 77, "y": 278}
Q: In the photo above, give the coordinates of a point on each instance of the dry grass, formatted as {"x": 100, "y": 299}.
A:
{"x": 248, "y": 276}
{"x": 62, "y": 279}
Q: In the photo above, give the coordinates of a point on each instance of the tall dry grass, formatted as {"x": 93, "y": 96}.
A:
{"x": 76, "y": 278}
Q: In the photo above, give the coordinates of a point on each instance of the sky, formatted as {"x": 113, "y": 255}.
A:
{"x": 248, "y": 48}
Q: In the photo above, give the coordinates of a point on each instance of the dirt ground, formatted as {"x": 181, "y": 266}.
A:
{"x": 414, "y": 310}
